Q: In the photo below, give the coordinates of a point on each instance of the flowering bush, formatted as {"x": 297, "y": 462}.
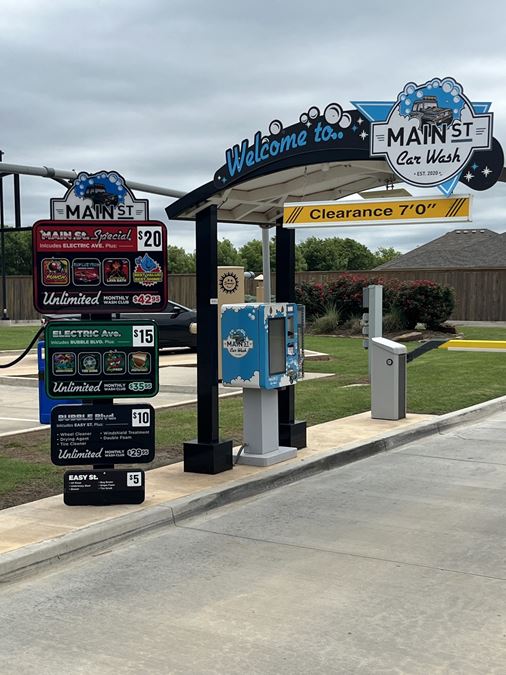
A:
{"x": 425, "y": 302}
{"x": 412, "y": 301}
{"x": 311, "y": 295}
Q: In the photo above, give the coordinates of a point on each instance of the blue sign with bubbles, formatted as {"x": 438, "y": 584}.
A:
{"x": 260, "y": 345}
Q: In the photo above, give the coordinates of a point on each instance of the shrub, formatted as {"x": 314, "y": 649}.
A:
{"x": 346, "y": 293}
{"x": 425, "y": 302}
{"x": 354, "y": 325}
{"x": 394, "y": 320}
{"x": 406, "y": 303}
{"x": 326, "y": 323}
{"x": 312, "y": 296}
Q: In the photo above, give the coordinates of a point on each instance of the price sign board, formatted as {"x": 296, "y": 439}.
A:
{"x": 110, "y": 359}
{"x": 99, "y": 267}
{"x": 102, "y": 434}
{"x": 103, "y": 487}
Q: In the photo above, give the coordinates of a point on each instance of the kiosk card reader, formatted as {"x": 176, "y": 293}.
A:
{"x": 262, "y": 350}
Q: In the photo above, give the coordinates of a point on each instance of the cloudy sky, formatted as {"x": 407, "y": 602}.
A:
{"x": 158, "y": 89}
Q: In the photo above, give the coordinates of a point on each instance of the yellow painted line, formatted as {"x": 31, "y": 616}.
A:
{"x": 475, "y": 345}
{"x": 377, "y": 212}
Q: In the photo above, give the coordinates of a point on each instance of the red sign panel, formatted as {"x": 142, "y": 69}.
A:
{"x": 101, "y": 267}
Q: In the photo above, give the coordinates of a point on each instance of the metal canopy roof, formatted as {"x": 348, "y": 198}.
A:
{"x": 260, "y": 199}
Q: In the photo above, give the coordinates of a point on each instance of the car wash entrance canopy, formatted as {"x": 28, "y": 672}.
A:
{"x": 432, "y": 135}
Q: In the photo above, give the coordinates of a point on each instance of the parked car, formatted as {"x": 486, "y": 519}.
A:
{"x": 175, "y": 324}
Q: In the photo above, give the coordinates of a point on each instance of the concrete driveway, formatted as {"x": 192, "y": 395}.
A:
{"x": 393, "y": 564}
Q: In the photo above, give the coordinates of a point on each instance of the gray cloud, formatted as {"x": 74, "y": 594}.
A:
{"x": 158, "y": 90}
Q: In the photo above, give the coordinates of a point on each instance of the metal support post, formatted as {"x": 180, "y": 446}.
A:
{"x": 207, "y": 454}
{"x": 373, "y": 300}
{"x": 292, "y": 433}
{"x": 266, "y": 264}
{"x": 5, "y": 316}
{"x": 17, "y": 202}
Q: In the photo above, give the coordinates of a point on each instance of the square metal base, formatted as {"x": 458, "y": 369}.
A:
{"x": 267, "y": 458}
{"x": 293, "y": 434}
{"x": 210, "y": 458}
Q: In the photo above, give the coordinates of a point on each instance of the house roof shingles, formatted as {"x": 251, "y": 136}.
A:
{"x": 460, "y": 248}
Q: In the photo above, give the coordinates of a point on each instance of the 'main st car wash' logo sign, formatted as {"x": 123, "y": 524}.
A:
{"x": 431, "y": 133}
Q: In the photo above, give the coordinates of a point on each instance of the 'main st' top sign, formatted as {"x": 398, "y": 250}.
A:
{"x": 431, "y": 136}
{"x": 99, "y": 196}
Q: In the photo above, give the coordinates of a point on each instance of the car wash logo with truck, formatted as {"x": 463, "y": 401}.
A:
{"x": 103, "y": 195}
{"x": 237, "y": 343}
{"x": 430, "y": 132}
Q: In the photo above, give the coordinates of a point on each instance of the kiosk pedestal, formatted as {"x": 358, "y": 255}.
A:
{"x": 261, "y": 429}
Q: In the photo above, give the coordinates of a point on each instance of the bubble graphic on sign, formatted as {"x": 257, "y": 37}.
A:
{"x": 103, "y": 188}
{"x": 333, "y": 113}
{"x": 275, "y": 127}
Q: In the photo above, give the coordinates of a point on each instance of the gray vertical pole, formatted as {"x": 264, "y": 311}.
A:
{"x": 2, "y": 247}
{"x": 17, "y": 201}
{"x": 266, "y": 264}
{"x": 375, "y": 317}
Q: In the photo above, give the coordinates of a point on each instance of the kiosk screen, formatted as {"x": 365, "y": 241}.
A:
{"x": 277, "y": 346}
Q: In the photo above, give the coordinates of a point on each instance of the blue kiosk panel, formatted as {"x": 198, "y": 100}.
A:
{"x": 260, "y": 345}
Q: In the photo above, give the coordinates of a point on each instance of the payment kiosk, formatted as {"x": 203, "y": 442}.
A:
{"x": 262, "y": 351}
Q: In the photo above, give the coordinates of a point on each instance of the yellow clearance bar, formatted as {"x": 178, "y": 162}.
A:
{"x": 379, "y": 212}
{"x": 474, "y": 345}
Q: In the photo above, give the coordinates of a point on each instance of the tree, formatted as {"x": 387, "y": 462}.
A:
{"x": 383, "y": 255}
{"x": 336, "y": 254}
{"x": 180, "y": 262}
{"x": 227, "y": 253}
{"x": 251, "y": 256}
{"x": 18, "y": 252}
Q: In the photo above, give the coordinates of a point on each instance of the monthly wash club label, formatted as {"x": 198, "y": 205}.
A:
{"x": 378, "y": 212}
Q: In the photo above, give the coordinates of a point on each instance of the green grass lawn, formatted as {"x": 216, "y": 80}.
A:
{"x": 438, "y": 382}
{"x": 16, "y": 337}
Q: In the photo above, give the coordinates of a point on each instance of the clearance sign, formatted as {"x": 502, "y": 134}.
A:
{"x": 378, "y": 212}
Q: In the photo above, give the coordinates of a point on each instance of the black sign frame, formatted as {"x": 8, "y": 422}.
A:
{"x": 103, "y": 487}
{"x": 99, "y": 266}
{"x": 102, "y": 434}
{"x": 78, "y": 367}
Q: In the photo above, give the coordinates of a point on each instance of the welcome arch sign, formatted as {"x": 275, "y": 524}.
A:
{"x": 427, "y": 134}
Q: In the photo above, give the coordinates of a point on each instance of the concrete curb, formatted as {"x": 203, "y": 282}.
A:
{"x": 100, "y": 535}
{"x": 13, "y": 381}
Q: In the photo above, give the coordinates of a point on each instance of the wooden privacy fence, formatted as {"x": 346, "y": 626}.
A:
{"x": 19, "y": 299}
{"x": 480, "y": 293}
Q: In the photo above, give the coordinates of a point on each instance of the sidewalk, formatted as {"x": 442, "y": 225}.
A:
{"x": 42, "y": 532}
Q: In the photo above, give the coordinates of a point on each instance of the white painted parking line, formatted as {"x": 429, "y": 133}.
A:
{"x": 18, "y": 419}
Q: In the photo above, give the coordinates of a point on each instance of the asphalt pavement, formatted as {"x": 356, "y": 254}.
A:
{"x": 392, "y": 564}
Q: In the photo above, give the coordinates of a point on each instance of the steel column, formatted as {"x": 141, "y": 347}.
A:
{"x": 291, "y": 432}
{"x": 207, "y": 325}
{"x": 207, "y": 454}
